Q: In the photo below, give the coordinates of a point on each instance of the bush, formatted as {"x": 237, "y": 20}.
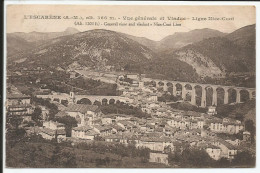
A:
{"x": 244, "y": 158}
{"x": 123, "y": 109}
{"x": 191, "y": 157}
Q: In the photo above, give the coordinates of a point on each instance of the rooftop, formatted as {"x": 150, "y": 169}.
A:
{"x": 83, "y": 128}
{"x": 17, "y": 96}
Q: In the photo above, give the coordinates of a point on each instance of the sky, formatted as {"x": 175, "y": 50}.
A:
{"x": 15, "y": 22}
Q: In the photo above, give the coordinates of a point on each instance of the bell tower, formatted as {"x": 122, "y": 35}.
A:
{"x": 72, "y": 96}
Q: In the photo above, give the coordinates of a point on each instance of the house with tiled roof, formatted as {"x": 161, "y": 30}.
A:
{"x": 52, "y": 130}
{"x": 17, "y": 99}
{"x": 20, "y": 109}
{"x": 84, "y": 114}
{"x": 177, "y": 123}
{"x": 127, "y": 125}
{"x": 158, "y": 158}
{"x": 112, "y": 138}
{"x": 169, "y": 131}
{"x": 48, "y": 134}
{"x": 103, "y": 130}
{"x": 84, "y": 132}
{"x": 159, "y": 143}
{"x": 123, "y": 138}
{"x": 108, "y": 119}
{"x": 227, "y": 149}
{"x": 19, "y": 104}
{"x": 226, "y": 125}
{"x": 213, "y": 151}
{"x": 53, "y": 125}
{"x": 122, "y": 117}
{"x": 33, "y": 130}
{"x": 61, "y": 114}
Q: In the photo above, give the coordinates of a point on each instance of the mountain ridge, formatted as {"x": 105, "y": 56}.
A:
{"x": 212, "y": 56}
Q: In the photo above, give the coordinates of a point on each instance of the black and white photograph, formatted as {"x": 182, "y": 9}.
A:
{"x": 130, "y": 86}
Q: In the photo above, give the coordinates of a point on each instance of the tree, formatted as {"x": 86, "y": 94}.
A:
{"x": 84, "y": 101}
{"x": 250, "y": 126}
{"x": 174, "y": 157}
{"x": 69, "y": 122}
{"x": 14, "y": 134}
{"x": 206, "y": 127}
{"x": 224, "y": 110}
{"x": 239, "y": 117}
{"x": 196, "y": 158}
{"x": 13, "y": 121}
{"x": 244, "y": 158}
{"x": 65, "y": 102}
{"x": 36, "y": 115}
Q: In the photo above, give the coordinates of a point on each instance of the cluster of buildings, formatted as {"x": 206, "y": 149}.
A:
{"x": 18, "y": 103}
{"x": 168, "y": 130}
{"x": 161, "y": 135}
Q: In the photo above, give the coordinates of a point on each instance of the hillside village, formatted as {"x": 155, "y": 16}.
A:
{"x": 160, "y": 128}
{"x": 102, "y": 98}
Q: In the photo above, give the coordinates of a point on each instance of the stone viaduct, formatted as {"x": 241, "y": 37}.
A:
{"x": 101, "y": 99}
{"x": 73, "y": 98}
{"x": 187, "y": 87}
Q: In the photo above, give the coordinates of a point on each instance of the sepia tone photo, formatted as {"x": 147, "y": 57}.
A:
{"x": 130, "y": 86}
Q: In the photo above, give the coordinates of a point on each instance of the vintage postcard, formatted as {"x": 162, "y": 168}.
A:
{"x": 130, "y": 86}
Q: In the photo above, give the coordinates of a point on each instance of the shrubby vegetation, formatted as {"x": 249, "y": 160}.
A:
{"x": 198, "y": 158}
{"x": 59, "y": 81}
{"x": 36, "y": 152}
{"x": 237, "y": 109}
{"x": 190, "y": 157}
{"x": 250, "y": 126}
{"x": 36, "y": 116}
{"x": 53, "y": 109}
{"x": 188, "y": 107}
{"x": 169, "y": 98}
{"x": 123, "y": 109}
{"x": 116, "y": 148}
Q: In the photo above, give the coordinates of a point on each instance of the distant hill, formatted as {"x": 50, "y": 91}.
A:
{"x": 177, "y": 40}
{"x": 40, "y": 36}
{"x": 245, "y": 38}
{"x": 94, "y": 49}
{"x": 217, "y": 56}
{"x": 19, "y": 41}
{"x": 151, "y": 44}
{"x": 181, "y": 39}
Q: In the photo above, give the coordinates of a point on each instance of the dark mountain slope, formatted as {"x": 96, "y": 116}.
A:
{"x": 224, "y": 53}
{"x": 218, "y": 56}
{"x": 16, "y": 44}
{"x": 95, "y": 48}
